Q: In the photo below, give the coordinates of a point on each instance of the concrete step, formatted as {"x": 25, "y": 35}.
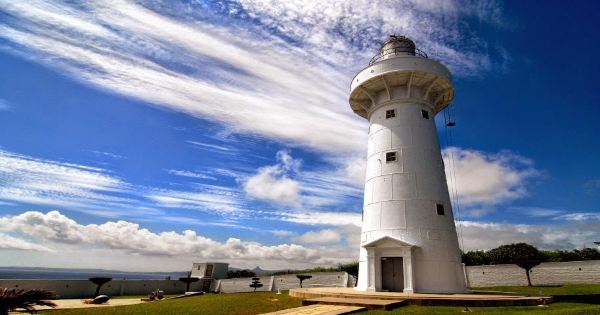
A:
{"x": 320, "y": 309}
{"x": 371, "y": 304}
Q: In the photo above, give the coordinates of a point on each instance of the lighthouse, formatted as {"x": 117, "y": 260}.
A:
{"x": 408, "y": 238}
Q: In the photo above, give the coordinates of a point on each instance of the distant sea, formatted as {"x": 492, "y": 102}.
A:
{"x": 84, "y": 274}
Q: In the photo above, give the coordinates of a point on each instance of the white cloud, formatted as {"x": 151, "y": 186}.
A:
{"x": 319, "y": 237}
{"x": 9, "y": 242}
{"x": 4, "y": 105}
{"x": 30, "y": 180}
{"x": 482, "y": 235}
{"x": 580, "y": 216}
{"x": 487, "y": 179}
{"x": 130, "y": 237}
{"x": 191, "y": 174}
{"x": 319, "y": 217}
{"x": 538, "y": 212}
{"x": 260, "y": 80}
{"x": 272, "y": 182}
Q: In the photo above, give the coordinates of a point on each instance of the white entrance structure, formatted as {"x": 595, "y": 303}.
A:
{"x": 408, "y": 239}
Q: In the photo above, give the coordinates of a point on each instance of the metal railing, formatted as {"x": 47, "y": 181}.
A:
{"x": 397, "y": 51}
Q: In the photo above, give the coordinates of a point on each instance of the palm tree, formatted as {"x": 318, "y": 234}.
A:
{"x": 11, "y": 299}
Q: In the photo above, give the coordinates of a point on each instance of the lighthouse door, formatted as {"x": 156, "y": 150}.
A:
{"x": 392, "y": 274}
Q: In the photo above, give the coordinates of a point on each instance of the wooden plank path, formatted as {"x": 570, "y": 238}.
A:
{"x": 371, "y": 304}
{"x": 320, "y": 309}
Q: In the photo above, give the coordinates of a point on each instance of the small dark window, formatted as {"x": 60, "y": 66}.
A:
{"x": 425, "y": 114}
{"x": 440, "y": 209}
{"x": 390, "y": 113}
{"x": 390, "y": 157}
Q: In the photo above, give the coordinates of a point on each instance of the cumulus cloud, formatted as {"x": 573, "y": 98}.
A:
{"x": 487, "y": 179}
{"x": 272, "y": 182}
{"x": 564, "y": 235}
{"x": 319, "y": 237}
{"x": 9, "y": 242}
{"x": 130, "y": 237}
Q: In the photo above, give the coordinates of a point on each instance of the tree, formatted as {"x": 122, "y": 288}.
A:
{"x": 188, "y": 280}
{"x": 475, "y": 258}
{"x": 256, "y": 283}
{"x": 11, "y": 299}
{"x": 240, "y": 274}
{"x": 302, "y": 278}
{"x": 99, "y": 282}
{"x": 351, "y": 269}
{"x": 520, "y": 254}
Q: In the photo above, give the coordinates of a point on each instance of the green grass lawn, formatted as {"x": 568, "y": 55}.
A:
{"x": 262, "y": 302}
{"x": 217, "y": 304}
{"x": 570, "y": 289}
{"x": 552, "y": 309}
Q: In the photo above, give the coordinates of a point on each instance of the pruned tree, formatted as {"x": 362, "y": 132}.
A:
{"x": 256, "y": 283}
{"x": 240, "y": 274}
{"x": 302, "y": 278}
{"x": 521, "y": 254}
{"x": 11, "y": 299}
{"x": 188, "y": 280}
{"x": 351, "y": 269}
{"x": 99, "y": 282}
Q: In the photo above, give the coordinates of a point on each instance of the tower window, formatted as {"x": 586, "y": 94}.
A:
{"x": 390, "y": 157}
{"x": 390, "y": 114}
{"x": 440, "y": 209}
{"x": 425, "y": 114}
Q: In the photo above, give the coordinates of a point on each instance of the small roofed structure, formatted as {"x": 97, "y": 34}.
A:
{"x": 207, "y": 272}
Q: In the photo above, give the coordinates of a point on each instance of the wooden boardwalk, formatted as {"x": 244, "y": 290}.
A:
{"x": 463, "y": 299}
{"x": 320, "y": 309}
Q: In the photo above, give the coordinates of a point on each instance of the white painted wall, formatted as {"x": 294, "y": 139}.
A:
{"x": 571, "y": 272}
{"x": 70, "y": 289}
{"x": 73, "y": 289}
{"x": 401, "y": 197}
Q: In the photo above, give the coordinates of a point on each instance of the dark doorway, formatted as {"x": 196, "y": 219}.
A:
{"x": 206, "y": 285}
{"x": 392, "y": 274}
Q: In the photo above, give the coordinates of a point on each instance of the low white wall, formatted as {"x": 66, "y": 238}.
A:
{"x": 551, "y": 273}
{"x": 72, "y": 289}
{"x": 284, "y": 282}
{"x": 320, "y": 279}
{"x": 76, "y": 289}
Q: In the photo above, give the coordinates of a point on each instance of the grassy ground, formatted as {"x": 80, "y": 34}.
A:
{"x": 217, "y": 304}
{"x": 262, "y": 302}
{"x": 571, "y": 289}
{"x": 552, "y": 309}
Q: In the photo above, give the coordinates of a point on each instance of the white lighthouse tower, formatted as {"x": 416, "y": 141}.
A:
{"x": 408, "y": 240}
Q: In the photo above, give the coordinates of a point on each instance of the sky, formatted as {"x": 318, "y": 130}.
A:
{"x": 147, "y": 135}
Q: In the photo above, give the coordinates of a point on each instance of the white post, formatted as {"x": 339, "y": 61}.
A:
{"x": 408, "y": 273}
{"x": 371, "y": 267}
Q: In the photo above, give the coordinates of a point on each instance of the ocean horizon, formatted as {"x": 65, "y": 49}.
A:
{"x": 82, "y": 274}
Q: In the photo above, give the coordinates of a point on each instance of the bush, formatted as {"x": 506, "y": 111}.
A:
{"x": 11, "y": 299}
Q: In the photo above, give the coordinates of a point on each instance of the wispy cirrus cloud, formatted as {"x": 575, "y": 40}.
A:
{"x": 264, "y": 86}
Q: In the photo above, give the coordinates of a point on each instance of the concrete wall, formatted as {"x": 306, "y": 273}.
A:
{"x": 572, "y": 272}
{"x": 78, "y": 289}
{"x": 284, "y": 282}
{"x": 69, "y": 289}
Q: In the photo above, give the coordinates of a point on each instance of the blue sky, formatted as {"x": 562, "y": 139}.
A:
{"x": 152, "y": 134}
